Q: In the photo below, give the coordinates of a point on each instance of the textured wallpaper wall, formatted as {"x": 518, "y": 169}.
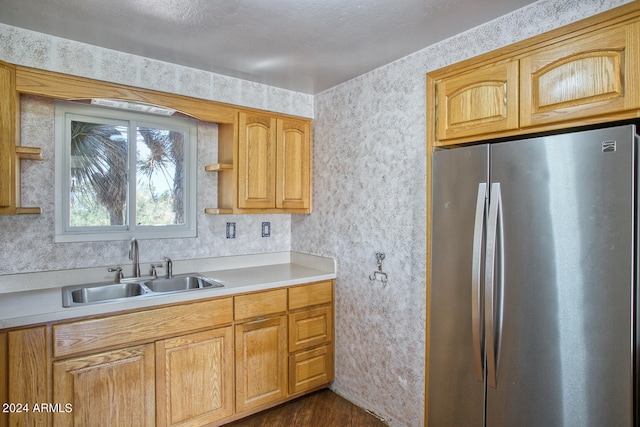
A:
{"x": 37, "y": 50}
{"x": 27, "y": 241}
{"x": 370, "y": 183}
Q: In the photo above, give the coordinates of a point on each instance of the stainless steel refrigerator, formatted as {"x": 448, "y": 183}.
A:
{"x": 533, "y": 282}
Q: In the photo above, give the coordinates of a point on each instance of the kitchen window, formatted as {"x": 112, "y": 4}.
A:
{"x": 123, "y": 174}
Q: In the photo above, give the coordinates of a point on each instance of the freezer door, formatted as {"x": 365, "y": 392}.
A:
{"x": 456, "y": 395}
{"x": 564, "y": 301}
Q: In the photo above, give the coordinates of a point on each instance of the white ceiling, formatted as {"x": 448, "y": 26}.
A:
{"x": 302, "y": 45}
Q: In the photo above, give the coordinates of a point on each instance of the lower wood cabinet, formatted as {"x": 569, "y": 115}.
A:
{"x": 114, "y": 388}
{"x": 25, "y": 357}
{"x": 310, "y": 336}
{"x": 191, "y": 364}
{"x": 261, "y": 362}
{"x": 195, "y": 378}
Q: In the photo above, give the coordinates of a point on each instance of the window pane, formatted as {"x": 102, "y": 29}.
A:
{"x": 99, "y": 165}
{"x": 123, "y": 174}
{"x": 160, "y": 173}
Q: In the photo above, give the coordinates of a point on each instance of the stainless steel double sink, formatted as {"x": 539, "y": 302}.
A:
{"x": 134, "y": 288}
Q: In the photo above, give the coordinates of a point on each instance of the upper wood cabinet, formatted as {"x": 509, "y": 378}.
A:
{"x": 588, "y": 76}
{"x": 477, "y": 102}
{"x": 264, "y": 159}
{"x": 583, "y": 74}
{"x": 274, "y": 163}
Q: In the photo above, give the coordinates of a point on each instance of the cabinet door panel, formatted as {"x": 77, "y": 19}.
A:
{"x": 581, "y": 78}
{"x": 310, "y": 369}
{"x": 294, "y": 164}
{"x": 261, "y": 362}
{"x": 256, "y": 161}
{"x": 28, "y": 374}
{"x": 114, "y": 388}
{"x": 478, "y": 102}
{"x": 195, "y": 378}
{"x": 310, "y": 328}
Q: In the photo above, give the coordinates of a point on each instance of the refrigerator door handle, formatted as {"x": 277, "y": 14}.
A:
{"x": 494, "y": 268}
{"x": 476, "y": 280}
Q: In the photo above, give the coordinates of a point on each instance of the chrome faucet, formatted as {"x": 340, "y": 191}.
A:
{"x": 134, "y": 255}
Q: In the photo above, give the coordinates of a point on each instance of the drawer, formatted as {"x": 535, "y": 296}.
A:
{"x": 310, "y": 328}
{"x": 260, "y": 304}
{"x": 310, "y": 369}
{"x": 309, "y": 295}
{"x": 145, "y": 326}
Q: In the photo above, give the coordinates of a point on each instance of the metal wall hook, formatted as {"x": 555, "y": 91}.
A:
{"x": 379, "y": 274}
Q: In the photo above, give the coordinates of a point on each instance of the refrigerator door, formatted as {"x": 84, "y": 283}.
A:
{"x": 456, "y": 395}
{"x": 563, "y": 320}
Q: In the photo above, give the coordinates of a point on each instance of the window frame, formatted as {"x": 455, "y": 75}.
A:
{"x": 65, "y": 112}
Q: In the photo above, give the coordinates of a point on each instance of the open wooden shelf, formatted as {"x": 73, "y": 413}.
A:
{"x": 28, "y": 153}
{"x": 216, "y": 211}
{"x": 218, "y": 167}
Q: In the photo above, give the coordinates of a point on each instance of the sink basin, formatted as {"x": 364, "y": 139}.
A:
{"x": 86, "y": 294}
{"x": 102, "y": 292}
{"x": 183, "y": 282}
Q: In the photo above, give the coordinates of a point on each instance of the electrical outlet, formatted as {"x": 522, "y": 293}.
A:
{"x": 266, "y": 229}
{"x": 231, "y": 230}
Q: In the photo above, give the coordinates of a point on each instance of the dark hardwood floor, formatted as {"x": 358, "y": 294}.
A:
{"x": 323, "y": 408}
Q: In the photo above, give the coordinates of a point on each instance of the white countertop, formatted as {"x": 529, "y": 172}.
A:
{"x": 237, "y": 274}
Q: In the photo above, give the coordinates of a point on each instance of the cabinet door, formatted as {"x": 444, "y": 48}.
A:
{"x": 115, "y": 388}
{"x": 478, "y": 102}
{"x": 293, "y": 184}
{"x": 195, "y": 378}
{"x": 256, "y": 161}
{"x": 261, "y": 362}
{"x": 582, "y": 78}
{"x": 8, "y": 101}
{"x": 28, "y": 376}
{"x": 309, "y": 369}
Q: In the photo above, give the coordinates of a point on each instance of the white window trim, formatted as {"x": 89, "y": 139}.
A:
{"x": 63, "y": 233}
